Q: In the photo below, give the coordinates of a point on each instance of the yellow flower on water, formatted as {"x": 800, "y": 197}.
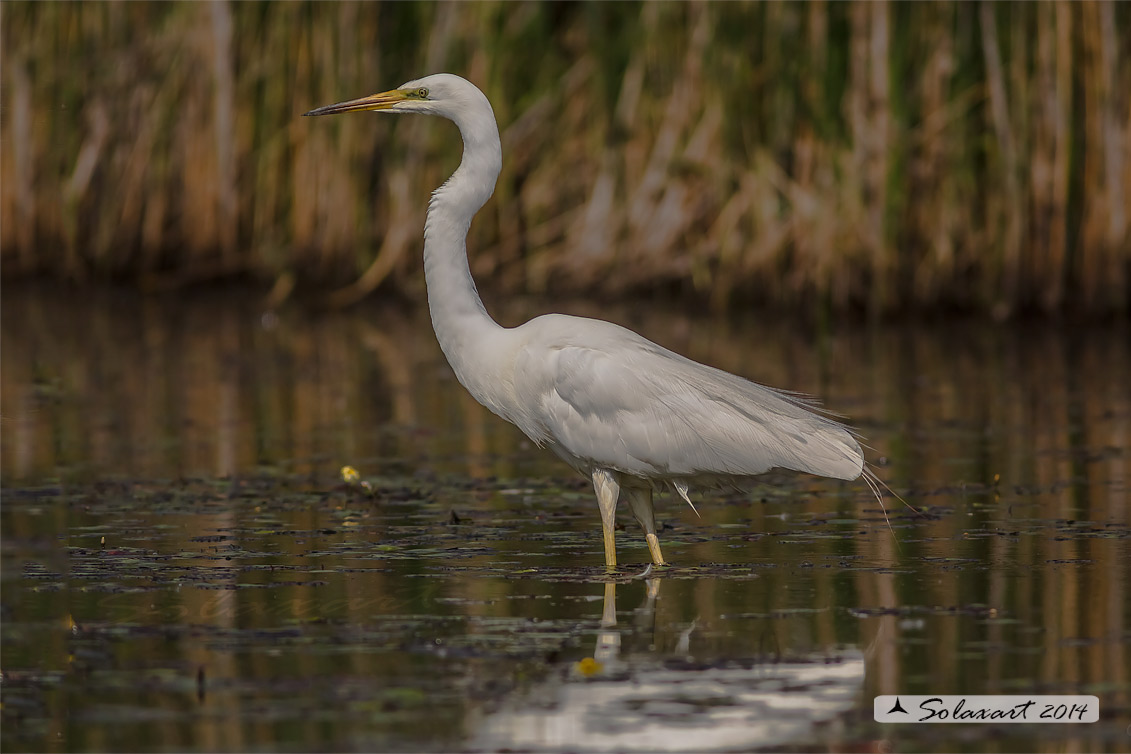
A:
{"x": 589, "y": 667}
{"x": 349, "y": 474}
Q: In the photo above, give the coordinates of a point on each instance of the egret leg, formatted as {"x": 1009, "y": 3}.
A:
{"x": 640, "y": 500}
{"x": 608, "y": 491}
{"x": 609, "y": 615}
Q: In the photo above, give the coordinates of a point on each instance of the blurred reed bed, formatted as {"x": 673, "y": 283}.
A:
{"x": 825, "y": 156}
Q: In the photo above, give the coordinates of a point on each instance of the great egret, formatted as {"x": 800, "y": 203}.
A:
{"x": 631, "y": 415}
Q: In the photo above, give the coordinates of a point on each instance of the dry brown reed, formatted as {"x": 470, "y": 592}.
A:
{"x": 818, "y": 155}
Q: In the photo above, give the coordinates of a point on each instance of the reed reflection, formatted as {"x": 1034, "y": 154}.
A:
{"x": 218, "y": 387}
{"x": 154, "y": 391}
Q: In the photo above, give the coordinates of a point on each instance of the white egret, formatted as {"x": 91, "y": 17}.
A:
{"x": 632, "y": 416}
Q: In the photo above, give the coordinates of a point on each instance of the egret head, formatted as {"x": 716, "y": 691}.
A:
{"x": 442, "y": 94}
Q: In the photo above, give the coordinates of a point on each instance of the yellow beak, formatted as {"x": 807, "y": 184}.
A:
{"x": 382, "y": 101}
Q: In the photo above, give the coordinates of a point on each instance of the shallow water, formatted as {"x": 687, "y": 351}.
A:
{"x": 184, "y": 569}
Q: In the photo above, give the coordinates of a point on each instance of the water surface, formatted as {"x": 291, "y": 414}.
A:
{"x": 183, "y": 568}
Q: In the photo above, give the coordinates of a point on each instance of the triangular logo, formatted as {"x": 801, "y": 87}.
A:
{"x": 898, "y": 707}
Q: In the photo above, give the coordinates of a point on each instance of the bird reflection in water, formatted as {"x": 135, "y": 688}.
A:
{"x": 657, "y": 700}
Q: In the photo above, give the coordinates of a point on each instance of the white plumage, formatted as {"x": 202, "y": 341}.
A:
{"x": 629, "y": 414}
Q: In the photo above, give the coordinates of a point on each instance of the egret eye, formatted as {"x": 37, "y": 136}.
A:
{"x": 422, "y": 93}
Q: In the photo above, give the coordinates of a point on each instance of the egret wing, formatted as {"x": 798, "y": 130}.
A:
{"x": 623, "y": 402}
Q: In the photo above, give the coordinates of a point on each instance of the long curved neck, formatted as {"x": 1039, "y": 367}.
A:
{"x": 462, "y": 325}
